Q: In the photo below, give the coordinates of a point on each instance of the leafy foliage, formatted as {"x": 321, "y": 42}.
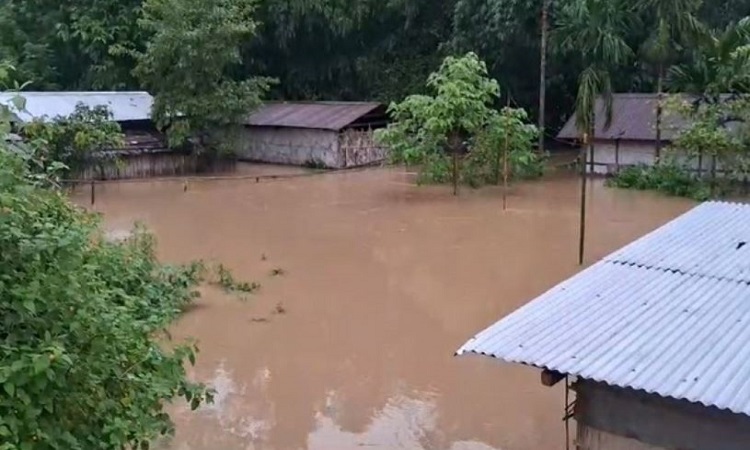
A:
{"x": 720, "y": 63}
{"x": 718, "y": 138}
{"x": 76, "y": 44}
{"x": 458, "y": 118}
{"x": 77, "y": 140}
{"x": 188, "y": 65}
{"x": 82, "y": 323}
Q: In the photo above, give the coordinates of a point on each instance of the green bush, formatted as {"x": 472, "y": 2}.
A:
{"x": 666, "y": 177}
{"x": 85, "y": 360}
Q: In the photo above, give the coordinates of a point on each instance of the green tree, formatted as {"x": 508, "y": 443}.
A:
{"x": 71, "y": 45}
{"x": 720, "y": 63}
{"x": 425, "y": 127}
{"x": 676, "y": 22}
{"x": 189, "y": 62}
{"x": 433, "y": 130}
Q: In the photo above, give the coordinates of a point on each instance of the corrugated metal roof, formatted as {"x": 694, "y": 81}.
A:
{"x": 633, "y": 118}
{"x": 319, "y": 115}
{"x": 125, "y": 106}
{"x": 668, "y": 314}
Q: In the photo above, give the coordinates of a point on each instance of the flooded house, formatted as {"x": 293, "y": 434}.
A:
{"x": 652, "y": 342}
{"x": 334, "y": 135}
{"x": 144, "y": 151}
{"x": 631, "y": 137}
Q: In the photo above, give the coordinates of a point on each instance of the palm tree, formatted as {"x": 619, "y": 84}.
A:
{"x": 595, "y": 30}
{"x": 676, "y": 23}
{"x": 720, "y": 63}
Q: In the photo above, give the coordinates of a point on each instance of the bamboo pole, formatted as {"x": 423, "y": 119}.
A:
{"x": 455, "y": 171}
{"x": 505, "y": 171}
{"x": 582, "y": 230}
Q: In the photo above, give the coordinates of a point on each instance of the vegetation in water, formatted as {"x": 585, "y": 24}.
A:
{"x": 85, "y": 359}
{"x": 455, "y": 134}
{"x": 710, "y": 158}
{"x": 225, "y": 279}
{"x": 277, "y": 272}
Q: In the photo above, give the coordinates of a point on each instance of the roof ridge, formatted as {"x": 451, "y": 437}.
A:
{"x": 658, "y": 268}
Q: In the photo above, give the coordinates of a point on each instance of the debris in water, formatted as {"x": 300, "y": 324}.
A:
{"x": 277, "y": 272}
{"x": 263, "y": 257}
{"x": 279, "y": 309}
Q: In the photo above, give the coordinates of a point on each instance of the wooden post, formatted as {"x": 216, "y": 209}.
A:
{"x": 582, "y": 229}
{"x": 700, "y": 164}
{"x": 505, "y": 171}
{"x": 617, "y": 156}
{"x": 713, "y": 175}
{"x": 455, "y": 171}
{"x": 591, "y": 156}
{"x": 93, "y": 192}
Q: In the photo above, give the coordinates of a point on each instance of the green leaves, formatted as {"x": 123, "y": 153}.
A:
{"x": 189, "y": 62}
{"x": 457, "y": 119}
{"x": 81, "y": 365}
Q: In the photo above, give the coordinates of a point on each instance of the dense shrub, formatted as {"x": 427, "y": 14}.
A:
{"x": 666, "y": 177}
{"x": 85, "y": 362}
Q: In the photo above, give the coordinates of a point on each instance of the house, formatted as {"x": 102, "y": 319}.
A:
{"x": 631, "y": 137}
{"x": 144, "y": 152}
{"x": 334, "y": 135}
{"x": 655, "y": 338}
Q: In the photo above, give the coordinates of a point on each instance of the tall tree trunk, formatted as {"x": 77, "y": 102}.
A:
{"x": 587, "y": 141}
{"x": 659, "y": 110}
{"x": 543, "y": 73}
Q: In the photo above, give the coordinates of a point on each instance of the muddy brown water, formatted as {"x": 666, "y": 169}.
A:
{"x": 352, "y": 347}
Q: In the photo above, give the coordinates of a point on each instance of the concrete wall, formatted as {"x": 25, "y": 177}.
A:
{"x": 654, "y": 421}
{"x": 607, "y": 155}
{"x": 294, "y": 146}
{"x": 592, "y": 439}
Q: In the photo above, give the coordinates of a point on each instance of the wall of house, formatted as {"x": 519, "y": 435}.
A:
{"x": 605, "y": 413}
{"x": 592, "y": 439}
{"x": 294, "y": 146}
{"x": 608, "y": 155}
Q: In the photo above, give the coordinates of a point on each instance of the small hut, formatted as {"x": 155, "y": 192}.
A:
{"x": 144, "y": 152}
{"x": 631, "y": 137}
{"x": 654, "y": 340}
{"x": 335, "y": 135}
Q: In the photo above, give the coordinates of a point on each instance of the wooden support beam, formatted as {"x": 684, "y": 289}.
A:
{"x": 551, "y": 378}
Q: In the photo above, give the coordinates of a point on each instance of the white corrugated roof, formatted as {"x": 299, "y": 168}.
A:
{"x": 668, "y": 314}
{"x": 125, "y": 106}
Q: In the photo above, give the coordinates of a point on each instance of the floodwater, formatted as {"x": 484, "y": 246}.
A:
{"x": 352, "y": 346}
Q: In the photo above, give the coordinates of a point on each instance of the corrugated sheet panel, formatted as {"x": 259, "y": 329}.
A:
{"x": 321, "y": 115}
{"x": 633, "y": 118}
{"x": 125, "y": 106}
{"x": 668, "y": 314}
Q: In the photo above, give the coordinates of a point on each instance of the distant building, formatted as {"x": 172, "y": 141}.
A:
{"x": 144, "y": 152}
{"x": 631, "y": 138}
{"x": 655, "y": 338}
{"x": 132, "y": 110}
{"x": 322, "y": 134}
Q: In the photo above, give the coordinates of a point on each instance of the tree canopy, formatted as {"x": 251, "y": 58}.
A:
{"x": 327, "y": 49}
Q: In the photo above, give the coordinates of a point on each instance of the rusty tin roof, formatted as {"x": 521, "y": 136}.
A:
{"x": 333, "y": 116}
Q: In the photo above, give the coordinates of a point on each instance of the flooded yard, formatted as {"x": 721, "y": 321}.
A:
{"x": 351, "y": 345}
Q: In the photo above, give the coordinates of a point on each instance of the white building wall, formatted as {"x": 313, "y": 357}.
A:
{"x": 293, "y": 146}
{"x": 607, "y": 156}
